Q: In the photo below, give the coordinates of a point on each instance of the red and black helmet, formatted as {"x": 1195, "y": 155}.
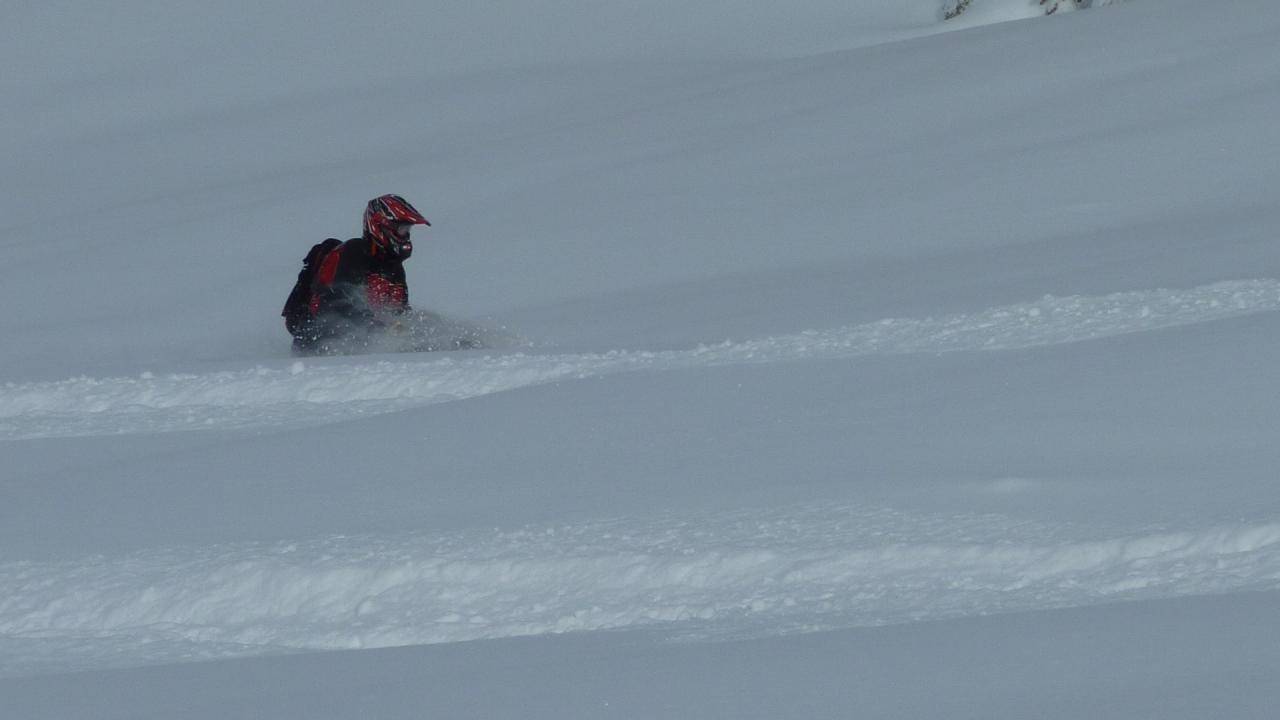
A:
{"x": 387, "y": 220}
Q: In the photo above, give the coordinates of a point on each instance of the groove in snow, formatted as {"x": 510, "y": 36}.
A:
{"x": 306, "y": 394}
{"x": 772, "y": 571}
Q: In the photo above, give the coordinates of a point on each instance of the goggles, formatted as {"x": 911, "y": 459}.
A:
{"x": 400, "y": 231}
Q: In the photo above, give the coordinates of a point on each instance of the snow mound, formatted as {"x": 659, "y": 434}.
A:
{"x": 729, "y": 574}
{"x": 319, "y": 391}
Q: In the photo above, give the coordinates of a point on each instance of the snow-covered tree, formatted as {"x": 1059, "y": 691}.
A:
{"x": 954, "y": 8}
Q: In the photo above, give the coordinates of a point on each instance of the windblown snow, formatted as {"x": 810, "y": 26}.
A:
{"x": 736, "y": 574}
{"x": 308, "y": 392}
{"x": 731, "y": 574}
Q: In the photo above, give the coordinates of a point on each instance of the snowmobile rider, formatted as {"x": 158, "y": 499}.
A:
{"x": 359, "y": 286}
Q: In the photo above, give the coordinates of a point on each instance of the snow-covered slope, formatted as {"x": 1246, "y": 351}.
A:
{"x": 814, "y": 319}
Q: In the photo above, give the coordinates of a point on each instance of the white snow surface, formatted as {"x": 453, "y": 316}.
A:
{"x": 853, "y": 362}
{"x": 296, "y": 395}
{"x": 781, "y": 571}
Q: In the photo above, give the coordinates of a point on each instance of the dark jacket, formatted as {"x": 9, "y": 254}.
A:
{"x": 355, "y": 291}
{"x": 360, "y": 284}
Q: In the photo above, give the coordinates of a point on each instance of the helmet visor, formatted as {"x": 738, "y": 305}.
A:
{"x": 400, "y": 230}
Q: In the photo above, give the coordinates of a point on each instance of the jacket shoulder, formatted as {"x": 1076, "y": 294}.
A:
{"x": 354, "y": 254}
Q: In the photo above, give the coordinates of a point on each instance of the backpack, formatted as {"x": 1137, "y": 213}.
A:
{"x": 297, "y": 309}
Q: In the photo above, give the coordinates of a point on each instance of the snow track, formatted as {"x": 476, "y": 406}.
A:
{"x": 331, "y": 390}
{"x": 724, "y": 574}
{"x": 738, "y": 574}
